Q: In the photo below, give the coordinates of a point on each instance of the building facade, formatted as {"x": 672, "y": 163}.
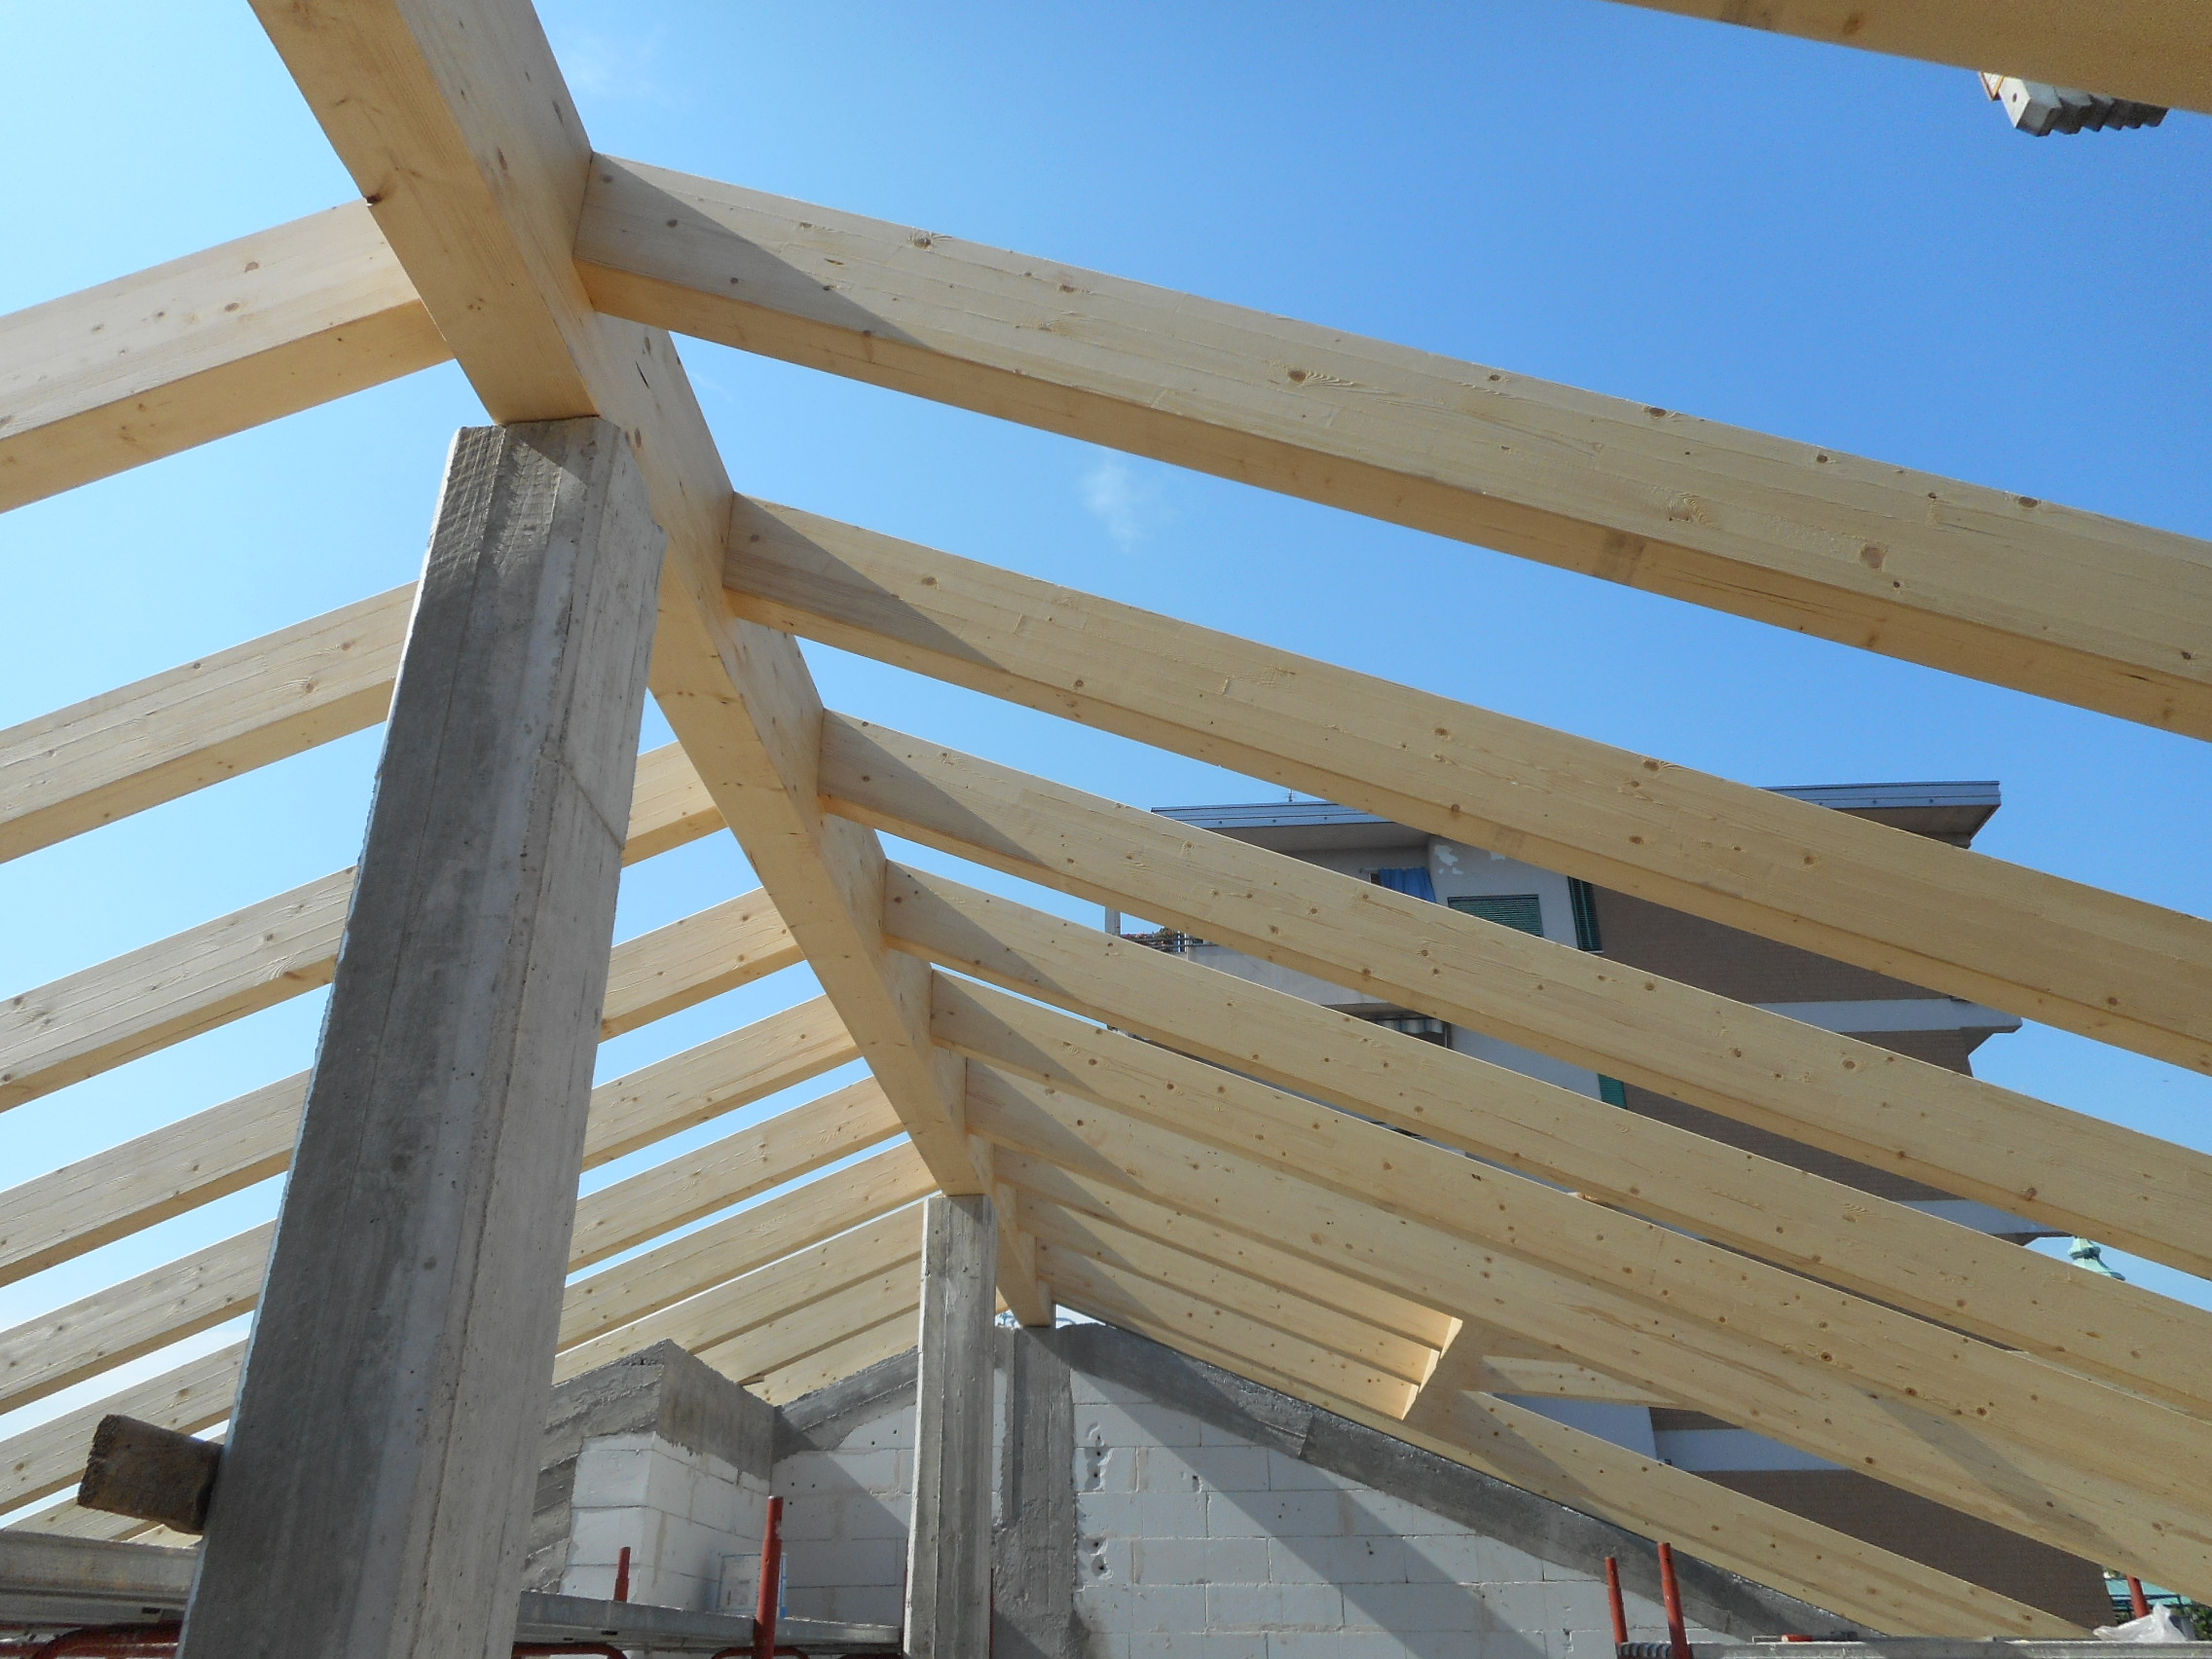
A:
{"x": 1781, "y": 978}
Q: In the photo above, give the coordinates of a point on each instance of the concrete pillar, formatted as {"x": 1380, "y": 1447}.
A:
{"x": 1035, "y": 1568}
{"x": 374, "y": 1495}
{"x": 948, "y": 1559}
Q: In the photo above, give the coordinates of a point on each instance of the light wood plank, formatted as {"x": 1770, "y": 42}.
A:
{"x": 223, "y": 1280}
{"x": 1994, "y": 1433}
{"x": 1273, "y": 1303}
{"x": 1974, "y": 580}
{"x": 752, "y": 1238}
{"x": 2108, "y": 966}
{"x": 282, "y": 947}
{"x": 170, "y": 1302}
{"x": 42, "y": 1459}
{"x": 460, "y": 131}
{"x": 2151, "y": 51}
{"x": 202, "y": 346}
{"x": 56, "y": 1217}
{"x": 1194, "y": 1236}
{"x": 1509, "y": 1374}
{"x": 2145, "y": 1342}
{"x": 52, "y": 1351}
{"x": 728, "y": 1172}
{"x": 1201, "y": 1325}
{"x": 873, "y": 1259}
{"x": 809, "y": 1336}
{"x": 839, "y": 1360}
{"x": 172, "y": 733}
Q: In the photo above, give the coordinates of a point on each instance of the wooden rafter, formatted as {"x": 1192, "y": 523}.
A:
{"x": 167, "y": 735}
{"x": 224, "y": 1280}
{"x": 1461, "y": 969}
{"x": 88, "y": 1022}
{"x": 1848, "y": 1577}
{"x": 2108, "y": 966}
{"x": 1293, "y": 1244}
{"x": 1393, "y": 1369}
{"x": 875, "y": 1259}
{"x": 2153, "y": 50}
{"x": 1954, "y": 1420}
{"x": 126, "y": 373}
{"x": 460, "y": 131}
{"x": 1974, "y": 580}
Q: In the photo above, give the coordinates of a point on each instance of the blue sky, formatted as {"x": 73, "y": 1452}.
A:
{"x": 1835, "y": 247}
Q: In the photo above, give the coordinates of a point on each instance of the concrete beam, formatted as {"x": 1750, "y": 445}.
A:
{"x": 376, "y": 1494}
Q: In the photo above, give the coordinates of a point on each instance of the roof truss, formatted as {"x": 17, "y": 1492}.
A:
{"x": 1189, "y": 1186}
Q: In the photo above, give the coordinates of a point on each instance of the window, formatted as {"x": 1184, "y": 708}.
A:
{"x": 1413, "y": 1025}
{"x": 1522, "y": 910}
{"x": 1412, "y": 881}
{"x": 1582, "y": 899}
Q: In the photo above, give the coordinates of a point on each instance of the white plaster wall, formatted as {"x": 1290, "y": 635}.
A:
{"x": 680, "y": 1513}
{"x": 1194, "y": 1541}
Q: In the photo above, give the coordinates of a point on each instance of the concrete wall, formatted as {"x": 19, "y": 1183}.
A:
{"x": 1192, "y": 1539}
{"x": 1147, "y": 1503}
{"x": 660, "y": 1454}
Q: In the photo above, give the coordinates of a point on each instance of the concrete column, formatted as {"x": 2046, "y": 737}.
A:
{"x": 948, "y": 1559}
{"x": 375, "y": 1494}
{"x": 1035, "y": 1568}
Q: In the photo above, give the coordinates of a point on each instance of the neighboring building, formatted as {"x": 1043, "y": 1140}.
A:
{"x": 1910, "y": 1020}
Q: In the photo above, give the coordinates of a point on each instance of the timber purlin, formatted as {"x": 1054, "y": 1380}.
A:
{"x": 1219, "y": 1167}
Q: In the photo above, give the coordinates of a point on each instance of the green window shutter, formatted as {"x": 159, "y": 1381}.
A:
{"x": 1612, "y": 1090}
{"x": 1523, "y": 910}
{"x": 1584, "y": 902}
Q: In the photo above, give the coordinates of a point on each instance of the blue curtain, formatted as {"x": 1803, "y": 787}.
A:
{"x": 1413, "y": 881}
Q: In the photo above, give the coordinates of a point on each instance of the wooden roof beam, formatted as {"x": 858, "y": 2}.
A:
{"x": 843, "y": 1356}
{"x": 104, "y": 380}
{"x": 2151, "y": 51}
{"x": 172, "y": 733}
{"x": 151, "y": 998}
{"x": 102, "y": 1017}
{"x": 1034, "y": 1180}
{"x": 2144, "y": 1341}
{"x": 2071, "y": 955}
{"x": 1393, "y": 1368}
{"x": 1196, "y": 1318}
{"x": 877, "y": 1259}
{"x": 460, "y": 131}
{"x": 1976, "y": 581}
{"x": 1941, "y": 1415}
{"x": 224, "y": 1280}
{"x": 1959, "y": 1133}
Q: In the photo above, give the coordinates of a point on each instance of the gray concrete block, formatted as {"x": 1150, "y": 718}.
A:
{"x": 1336, "y": 1560}
{"x": 1269, "y": 1607}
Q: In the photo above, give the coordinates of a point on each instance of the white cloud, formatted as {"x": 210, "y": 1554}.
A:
{"x": 1122, "y": 499}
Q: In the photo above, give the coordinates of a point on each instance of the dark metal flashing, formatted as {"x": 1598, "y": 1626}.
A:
{"x": 1948, "y": 810}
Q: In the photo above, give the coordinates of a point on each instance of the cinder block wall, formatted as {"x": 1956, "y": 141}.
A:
{"x": 846, "y": 1508}
{"x": 1150, "y": 1504}
{"x": 1192, "y": 1539}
